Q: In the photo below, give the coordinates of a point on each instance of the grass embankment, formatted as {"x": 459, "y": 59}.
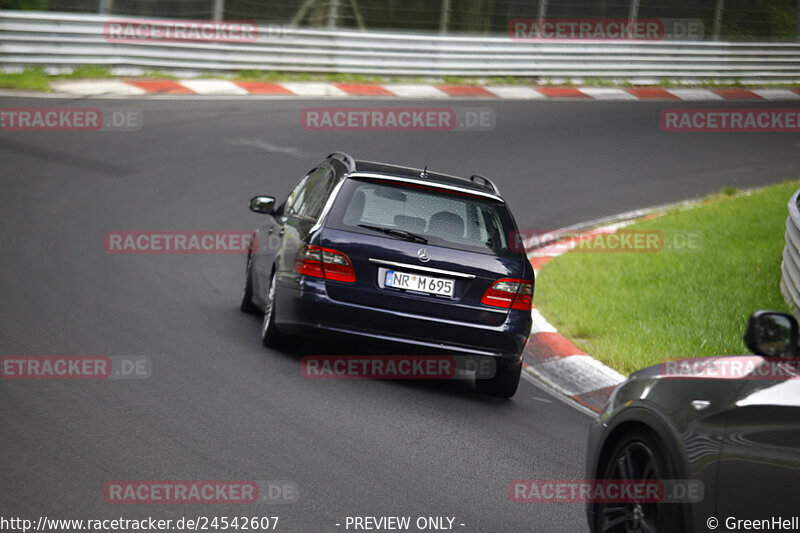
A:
{"x": 35, "y": 78}
{"x": 721, "y": 261}
{"x": 31, "y": 79}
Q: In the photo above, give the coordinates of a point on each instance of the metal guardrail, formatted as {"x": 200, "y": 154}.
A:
{"x": 60, "y": 41}
{"x": 790, "y": 266}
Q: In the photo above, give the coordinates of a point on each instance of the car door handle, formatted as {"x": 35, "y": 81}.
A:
{"x": 281, "y": 232}
{"x": 700, "y": 405}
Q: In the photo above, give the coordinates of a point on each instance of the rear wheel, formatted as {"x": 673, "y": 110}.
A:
{"x": 638, "y": 456}
{"x": 270, "y": 336}
{"x": 247, "y": 304}
{"x": 503, "y": 384}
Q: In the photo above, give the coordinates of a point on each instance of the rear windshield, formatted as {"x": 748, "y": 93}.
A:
{"x": 449, "y": 219}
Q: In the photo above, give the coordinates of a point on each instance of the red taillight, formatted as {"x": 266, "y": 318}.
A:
{"x": 510, "y": 293}
{"x": 309, "y": 262}
{"x": 319, "y": 262}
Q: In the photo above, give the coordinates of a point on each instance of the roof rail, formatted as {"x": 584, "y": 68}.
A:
{"x": 486, "y": 183}
{"x": 345, "y": 158}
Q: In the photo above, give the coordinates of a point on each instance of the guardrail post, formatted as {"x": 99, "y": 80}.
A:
{"x": 333, "y": 14}
{"x": 633, "y": 11}
{"x": 219, "y": 9}
{"x": 717, "y": 28}
{"x": 542, "y": 13}
{"x": 444, "y": 21}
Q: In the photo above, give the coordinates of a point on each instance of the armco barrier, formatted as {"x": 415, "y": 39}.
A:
{"x": 790, "y": 266}
{"x": 60, "y": 41}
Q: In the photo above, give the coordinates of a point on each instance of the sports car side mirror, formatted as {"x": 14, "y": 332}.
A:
{"x": 262, "y": 204}
{"x": 771, "y": 334}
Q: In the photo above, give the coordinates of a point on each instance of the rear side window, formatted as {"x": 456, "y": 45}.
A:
{"x": 309, "y": 196}
{"x": 448, "y": 219}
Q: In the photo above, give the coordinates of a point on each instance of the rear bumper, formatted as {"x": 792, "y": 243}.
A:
{"x": 304, "y": 304}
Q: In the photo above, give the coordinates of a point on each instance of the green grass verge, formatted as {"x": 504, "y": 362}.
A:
{"x": 31, "y": 79}
{"x": 721, "y": 261}
{"x": 34, "y": 78}
{"x": 87, "y": 72}
{"x": 274, "y": 76}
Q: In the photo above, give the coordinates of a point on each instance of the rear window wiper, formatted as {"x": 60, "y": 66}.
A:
{"x": 403, "y": 234}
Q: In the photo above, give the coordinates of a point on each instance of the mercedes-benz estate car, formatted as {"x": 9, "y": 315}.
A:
{"x": 409, "y": 258}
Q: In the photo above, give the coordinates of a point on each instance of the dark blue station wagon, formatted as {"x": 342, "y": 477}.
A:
{"x": 412, "y": 259}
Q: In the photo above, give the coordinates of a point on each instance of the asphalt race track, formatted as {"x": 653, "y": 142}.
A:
{"x": 219, "y": 406}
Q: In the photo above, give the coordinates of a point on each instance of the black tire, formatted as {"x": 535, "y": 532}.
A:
{"x": 247, "y": 304}
{"x": 270, "y": 336}
{"x": 503, "y": 384}
{"x": 638, "y": 455}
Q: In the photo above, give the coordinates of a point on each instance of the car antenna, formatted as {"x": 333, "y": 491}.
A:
{"x": 424, "y": 173}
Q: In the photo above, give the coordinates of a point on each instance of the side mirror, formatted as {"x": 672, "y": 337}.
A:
{"x": 771, "y": 334}
{"x": 262, "y": 204}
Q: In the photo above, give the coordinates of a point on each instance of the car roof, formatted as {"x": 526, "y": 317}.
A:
{"x": 484, "y": 188}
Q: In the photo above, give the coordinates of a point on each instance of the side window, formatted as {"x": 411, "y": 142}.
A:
{"x": 315, "y": 193}
{"x": 295, "y": 199}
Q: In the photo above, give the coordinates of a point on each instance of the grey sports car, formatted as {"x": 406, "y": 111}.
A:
{"x": 731, "y": 423}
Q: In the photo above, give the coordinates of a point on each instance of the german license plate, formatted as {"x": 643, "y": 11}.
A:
{"x": 415, "y": 282}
